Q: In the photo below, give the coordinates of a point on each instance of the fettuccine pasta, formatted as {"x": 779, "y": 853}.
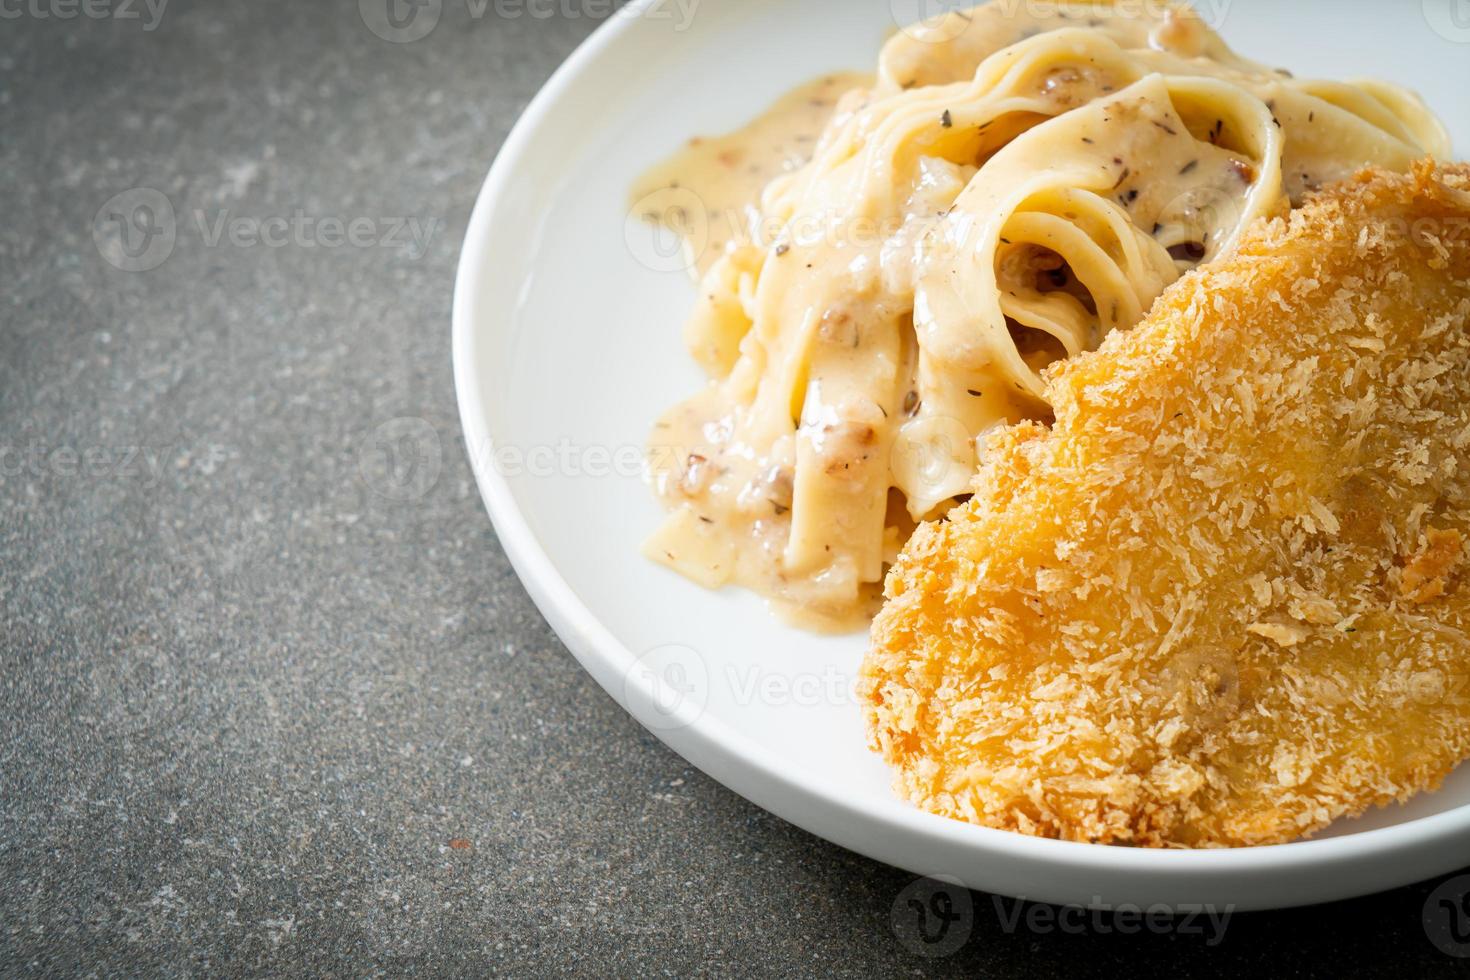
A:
{"x": 1016, "y": 182}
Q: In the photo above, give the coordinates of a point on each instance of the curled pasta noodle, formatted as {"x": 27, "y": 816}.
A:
{"x": 1103, "y": 224}
{"x": 1011, "y": 188}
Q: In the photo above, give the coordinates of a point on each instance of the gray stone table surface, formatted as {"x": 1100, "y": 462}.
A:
{"x": 258, "y": 716}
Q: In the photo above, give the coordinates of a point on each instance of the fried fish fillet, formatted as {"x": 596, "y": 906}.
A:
{"x": 1223, "y": 599}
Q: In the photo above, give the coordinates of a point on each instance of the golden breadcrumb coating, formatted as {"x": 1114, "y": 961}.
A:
{"x": 1223, "y": 599}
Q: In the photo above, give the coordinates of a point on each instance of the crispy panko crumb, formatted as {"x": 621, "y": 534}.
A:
{"x": 1215, "y": 603}
{"x": 1426, "y": 573}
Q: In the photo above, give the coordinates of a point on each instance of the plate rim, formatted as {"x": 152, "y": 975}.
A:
{"x": 732, "y": 759}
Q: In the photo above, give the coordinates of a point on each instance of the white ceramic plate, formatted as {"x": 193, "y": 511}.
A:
{"x": 567, "y": 345}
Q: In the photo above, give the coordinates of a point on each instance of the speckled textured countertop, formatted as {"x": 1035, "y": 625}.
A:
{"x": 262, "y": 714}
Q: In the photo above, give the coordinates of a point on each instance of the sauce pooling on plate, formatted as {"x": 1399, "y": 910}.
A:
{"x": 709, "y": 192}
